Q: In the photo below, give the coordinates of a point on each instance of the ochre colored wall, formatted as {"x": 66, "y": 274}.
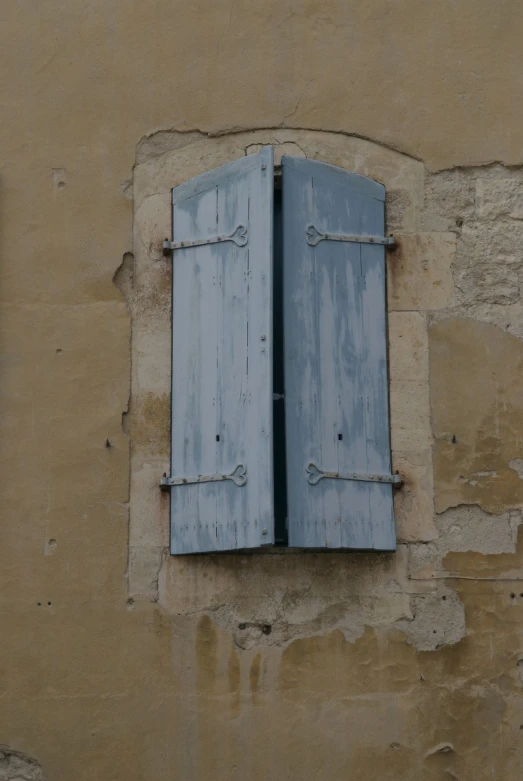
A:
{"x": 118, "y": 662}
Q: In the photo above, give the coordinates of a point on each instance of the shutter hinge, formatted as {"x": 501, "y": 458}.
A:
{"x": 314, "y": 475}
{"x": 239, "y": 236}
{"x": 314, "y": 237}
{"x": 238, "y": 476}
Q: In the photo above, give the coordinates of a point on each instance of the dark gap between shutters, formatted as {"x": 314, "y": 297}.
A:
{"x": 280, "y": 469}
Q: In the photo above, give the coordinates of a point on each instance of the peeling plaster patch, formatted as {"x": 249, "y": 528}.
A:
{"x": 471, "y": 529}
{"x": 464, "y": 529}
{"x": 50, "y": 547}
{"x": 156, "y": 144}
{"x": 276, "y": 615}
{"x": 441, "y": 748}
{"x": 59, "y": 178}
{"x": 124, "y": 274}
{"x": 295, "y": 594}
{"x": 500, "y": 567}
{"x": 127, "y": 189}
{"x": 517, "y": 465}
{"x": 477, "y": 414}
{"x": 438, "y": 620}
{"x": 16, "y": 766}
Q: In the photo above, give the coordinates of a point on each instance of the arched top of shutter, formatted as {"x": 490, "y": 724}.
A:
{"x": 335, "y": 176}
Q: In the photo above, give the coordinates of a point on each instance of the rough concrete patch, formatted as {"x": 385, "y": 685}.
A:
{"x": 438, "y": 620}
{"x": 17, "y": 766}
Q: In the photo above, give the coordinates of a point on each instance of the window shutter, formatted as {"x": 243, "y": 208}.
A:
{"x": 336, "y": 389}
{"x": 222, "y": 475}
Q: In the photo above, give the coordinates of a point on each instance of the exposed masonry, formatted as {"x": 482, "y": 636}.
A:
{"x": 483, "y": 206}
{"x": 460, "y": 256}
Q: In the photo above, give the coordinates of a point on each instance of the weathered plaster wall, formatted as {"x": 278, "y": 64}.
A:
{"x": 119, "y": 662}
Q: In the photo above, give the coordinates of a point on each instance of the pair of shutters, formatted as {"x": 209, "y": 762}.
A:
{"x": 336, "y": 391}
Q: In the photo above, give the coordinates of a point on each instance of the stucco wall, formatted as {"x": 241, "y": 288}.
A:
{"x": 119, "y": 662}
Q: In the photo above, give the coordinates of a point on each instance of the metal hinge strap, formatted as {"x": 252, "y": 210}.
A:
{"x": 314, "y": 237}
{"x": 314, "y": 475}
{"x": 239, "y": 236}
{"x": 238, "y": 476}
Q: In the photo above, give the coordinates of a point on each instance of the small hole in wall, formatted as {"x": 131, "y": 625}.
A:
{"x": 340, "y": 437}
{"x": 444, "y": 598}
{"x": 513, "y": 596}
{"x": 58, "y": 350}
{"x": 459, "y": 222}
{"x": 242, "y": 626}
{"x": 434, "y": 631}
{"x": 217, "y": 437}
{"x": 49, "y": 603}
{"x": 267, "y": 629}
{"x": 39, "y": 604}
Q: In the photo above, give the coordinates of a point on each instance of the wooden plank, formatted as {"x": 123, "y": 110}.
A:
{"x": 336, "y": 385}
{"x": 222, "y": 369}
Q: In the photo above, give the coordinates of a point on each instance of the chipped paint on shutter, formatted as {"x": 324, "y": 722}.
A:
{"x": 336, "y": 384}
{"x": 222, "y": 359}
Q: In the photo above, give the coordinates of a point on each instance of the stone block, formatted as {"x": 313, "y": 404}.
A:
{"x": 413, "y": 502}
{"x": 408, "y": 347}
{"x": 409, "y": 411}
{"x": 488, "y": 263}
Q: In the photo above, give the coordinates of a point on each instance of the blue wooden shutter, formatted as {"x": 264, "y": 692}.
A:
{"x": 336, "y": 389}
{"x": 222, "y": 359}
